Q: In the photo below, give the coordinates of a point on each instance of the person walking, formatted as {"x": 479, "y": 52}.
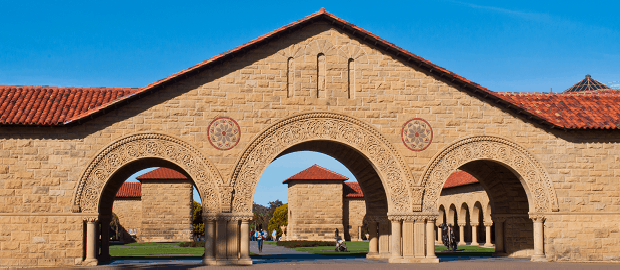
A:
{"x": 259, "y": 238}
{"x": 274, "y": 234}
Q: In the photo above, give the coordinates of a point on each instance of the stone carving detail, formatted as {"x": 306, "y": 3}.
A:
{"x": 321, "y": 126}
{"x": 490, "y": 148}
{"x": 226, "y": 196}
{"x": 224, "y": 133}
{"x": 417, "y": 134}
{"x": 113, "y": 157}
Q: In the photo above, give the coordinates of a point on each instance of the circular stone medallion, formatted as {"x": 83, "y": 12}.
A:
{"x": 417, "y": 134}
{"x": 224, "y": 133}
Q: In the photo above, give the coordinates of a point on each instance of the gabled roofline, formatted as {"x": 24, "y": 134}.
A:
{"x": 408, "y": 57}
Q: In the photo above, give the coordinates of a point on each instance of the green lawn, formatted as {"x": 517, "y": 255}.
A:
{"x": 355, "y": 248}
{"x": 154, "y": 249}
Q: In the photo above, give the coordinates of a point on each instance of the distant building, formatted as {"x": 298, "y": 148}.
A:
{"x": 156, "y": 209}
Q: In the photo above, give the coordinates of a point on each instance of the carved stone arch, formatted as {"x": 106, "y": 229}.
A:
{"x": 534, "y": 178}
{"x": 294, "y": 51}
{"x": 294, "y": 130}
{"x": 123, "y": 151}
{"x": 462, "y": 211}
{"x": 476, "y": 210}
{"x": 355, "y": 52}
{"x": 323, "y": 46}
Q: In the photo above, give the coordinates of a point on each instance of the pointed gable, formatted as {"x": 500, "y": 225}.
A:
{"x": 587, "y": 84}
{"x": 316, "y": 172}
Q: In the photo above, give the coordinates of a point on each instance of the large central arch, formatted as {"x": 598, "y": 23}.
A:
{"x": 308, "y": 127}
{"x": 141, "y": 146}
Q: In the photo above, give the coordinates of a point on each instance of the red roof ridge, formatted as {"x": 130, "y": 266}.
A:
{"x": 162, "y": 173}
{"x": 316, "y": 172}
{"x": 352, "y": 189}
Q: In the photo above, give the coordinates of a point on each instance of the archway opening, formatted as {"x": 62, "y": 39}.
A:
{"x": 316, "y": 208}
{"x": 157, "y": 219}
{"x": 481, "y": 194}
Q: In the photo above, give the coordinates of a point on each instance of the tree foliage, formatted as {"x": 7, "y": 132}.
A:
{"x": 197, "y": 223}
{"x": 280, "y": 218}
{"x": 262, "y": 214}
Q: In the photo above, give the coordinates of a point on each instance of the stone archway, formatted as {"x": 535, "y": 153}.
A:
{"x": 111, "y": 158}
{"x": 334, "y": 127}
{"x": 533, "y": 176}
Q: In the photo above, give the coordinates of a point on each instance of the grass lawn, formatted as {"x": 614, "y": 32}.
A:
{"x": 467, "y": 249}
{"x": 154, "y": 249}
{"x": 355, "y": 248}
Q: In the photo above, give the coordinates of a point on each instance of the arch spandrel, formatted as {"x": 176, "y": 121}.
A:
{"x": 114, "y": 156}
{"x": 537, "y": 183}
{"x": 288, "y": 132}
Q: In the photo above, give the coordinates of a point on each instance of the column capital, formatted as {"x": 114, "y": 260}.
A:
{"x": 91, "y": 219}
{"x": 415, "y": 216}
{"x": 474, "y": 223}
{"x": 538, "y": 218}
{"x": 462, "y": 224}
{"x": 488, "y": 223}
{"x": 227, "y": 216}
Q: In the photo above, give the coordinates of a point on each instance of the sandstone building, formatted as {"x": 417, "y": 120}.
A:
{"x": 401, "y": 124}
{"x": 156, "y": 209}
{"x": 320, "y": 202}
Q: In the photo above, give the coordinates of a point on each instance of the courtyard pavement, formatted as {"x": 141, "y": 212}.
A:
{"x": 276, "y": 257}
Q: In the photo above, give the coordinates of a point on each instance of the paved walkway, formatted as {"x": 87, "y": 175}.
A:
{"x": 277, "y": 254}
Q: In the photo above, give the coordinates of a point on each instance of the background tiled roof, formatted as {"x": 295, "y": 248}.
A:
{"x": 578, "y": 110}
{"x": 352, "y": 190}
{"x": 459, "y": 178}
{"x": 587, "y": 84}
{"x": 316, "y": 172}
{"x": 39, "y": 105}
{"x": 162, "y": 173}
{"x": 130, "y": 190}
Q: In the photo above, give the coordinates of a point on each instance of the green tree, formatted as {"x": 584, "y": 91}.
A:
{"x": 280, "y": 218}
{"x": 197, "y": 223}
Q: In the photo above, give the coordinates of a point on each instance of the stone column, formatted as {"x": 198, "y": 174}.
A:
{"x": 209, "y": 257}
{"x": 487, "y": 226}
{"x": 461, "y": 234}
{"x": 232, "y": 235}
{"x": 418, "y": 237}
{"x": 430, "y": 239}
{"x": 91, "y": 241}
{"x": 359, "y": 233}
{"x": 539, "y": 252}
{"x": 220, "y": 240}
{"x": 408, "y": 240}
{"x": 245, "y": 242}
{"x": 499, "y": 236}
{"x": 438, "y": 235}
{"x": 396, "y": 229}
{"x": 474, "y": 234}
{"x": 373, "y": 242}
{"x": 384, "y": 239}
{"x": 105, "y": 239}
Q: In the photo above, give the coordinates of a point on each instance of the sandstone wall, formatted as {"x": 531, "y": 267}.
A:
{"x": 355, "y": 210}
{"x": 166, "y": 211}
{"x": 316, "y": 208}
{"x": 129, "y": 213}
{"x": 40, "y": 167}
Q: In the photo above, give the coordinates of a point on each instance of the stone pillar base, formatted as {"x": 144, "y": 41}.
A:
{"x": 416, "y": 260}
{"x": 227, "y": 262}
{"x": 488, "y": 245}
{"x": 373, "y": 256}
{"x": 90, "y": 262}
{"x": 539, "y": 258}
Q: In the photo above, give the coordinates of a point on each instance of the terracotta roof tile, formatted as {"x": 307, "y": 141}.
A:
{"x": 459, "y": 178}
{"x": 577, "y": 110}
{"x": 316, "y": 172}
{"x": 587, "y": 84}
{"x": 162, "y": 173}
{"x": 130, "y": 190}
{"x": 43, "y": 105}
{"x": 352, "y": 190}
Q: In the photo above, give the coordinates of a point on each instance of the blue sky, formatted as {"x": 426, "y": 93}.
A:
{"x": 505, "y": 46}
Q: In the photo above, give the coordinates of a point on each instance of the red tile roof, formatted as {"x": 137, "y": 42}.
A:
{"x": 352, "y": 190}
{"x": 316, "y": 172}
{"x": 162, "y": 173}
{"x": 578, "y": 110}
{"x": 130, "y": 190}
{"x": 43, "y": 105}
{"x": 15, "y": 116}
{"x": 459, "y": 178}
